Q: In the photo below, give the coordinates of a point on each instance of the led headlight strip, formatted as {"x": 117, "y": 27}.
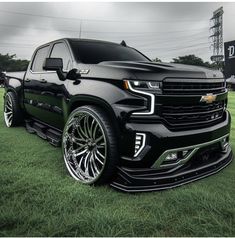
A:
{"x": 152, "y": 98}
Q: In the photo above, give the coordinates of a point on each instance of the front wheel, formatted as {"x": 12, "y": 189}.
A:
{"x": 89, "y": 146}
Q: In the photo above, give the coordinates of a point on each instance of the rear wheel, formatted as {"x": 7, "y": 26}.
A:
{"x": 12, "y": 111}
{"x": 89, "y": 146}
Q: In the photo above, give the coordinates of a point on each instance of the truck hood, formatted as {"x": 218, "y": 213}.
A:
{"x": 149, "y": 71}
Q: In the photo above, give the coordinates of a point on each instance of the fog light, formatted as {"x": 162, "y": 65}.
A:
{"x": 171, "y": 156}
{"x": 224, "y": 143}
{"x": 177, "y": 155}
{"x": 140, "y": 140}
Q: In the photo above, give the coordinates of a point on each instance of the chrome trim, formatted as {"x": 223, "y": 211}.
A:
{"x": 143, "y": 144}
{"x": 192, "y": 80}
{"x": 143, "y": 93}
{"x": 194, "y": 148}
{"x": 195, "y": 95}
{"x": 41, "y": 72}
{"x": 46, "y": 72}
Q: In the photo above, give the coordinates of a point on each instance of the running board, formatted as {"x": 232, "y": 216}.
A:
{"x": 53, "y": 136}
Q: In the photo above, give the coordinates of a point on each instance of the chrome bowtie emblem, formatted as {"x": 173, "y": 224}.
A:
{"x": 209, "y": 98}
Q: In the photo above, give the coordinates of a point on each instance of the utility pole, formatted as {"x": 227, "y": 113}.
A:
{"x": 217, "y": 36}
{"x": 80, "y": 30}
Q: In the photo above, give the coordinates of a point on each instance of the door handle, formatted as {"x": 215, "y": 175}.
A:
{"x": 43, "y": 81}
{"x": 27, "y": 80}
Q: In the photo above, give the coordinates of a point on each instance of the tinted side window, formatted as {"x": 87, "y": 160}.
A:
{"x": 39, "y": 59}
{"x": 61, "y": 51}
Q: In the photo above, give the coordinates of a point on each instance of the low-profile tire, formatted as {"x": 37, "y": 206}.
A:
{"x": 89, "y": 146}
{"x": 12, "y": 111}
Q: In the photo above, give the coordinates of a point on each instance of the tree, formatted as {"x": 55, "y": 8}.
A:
{"x": 157, "y": 60}
{"x": 10, "y": 63}
{"x": 193, "y": 60}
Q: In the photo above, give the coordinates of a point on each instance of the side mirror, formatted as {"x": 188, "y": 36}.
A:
{"x": 53, "y": 64}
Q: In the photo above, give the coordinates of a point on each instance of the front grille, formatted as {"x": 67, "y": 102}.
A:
{"x": 188, "y": 115}
{"x": 184, "y": 87}
{"x": 193, "y": 114}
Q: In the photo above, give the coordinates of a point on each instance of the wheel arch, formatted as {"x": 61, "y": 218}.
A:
{"x": 14, "y": 85}
{"x": 13, "y": 90}
{"x": 85, "y": 100}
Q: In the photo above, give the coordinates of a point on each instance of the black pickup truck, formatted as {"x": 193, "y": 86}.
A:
{"x": 121, "y": 118}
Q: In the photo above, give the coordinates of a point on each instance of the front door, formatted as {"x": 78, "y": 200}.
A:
{"x": 54, "y": 93}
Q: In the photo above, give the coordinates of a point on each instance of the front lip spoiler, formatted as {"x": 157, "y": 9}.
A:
{"x": 134, "y": 180}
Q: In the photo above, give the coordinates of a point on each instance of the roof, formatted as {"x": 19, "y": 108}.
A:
{"x": 89, "y": 40}
{"x": 75, "y": 40}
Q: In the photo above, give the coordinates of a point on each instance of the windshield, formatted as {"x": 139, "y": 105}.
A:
{"x": 96, "y": 52}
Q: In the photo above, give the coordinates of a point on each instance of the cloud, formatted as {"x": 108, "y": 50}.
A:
{"x": 163, "y": 30}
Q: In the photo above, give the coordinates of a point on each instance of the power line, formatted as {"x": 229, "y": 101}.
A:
{"x": 107, "y": 32}
{"x": 199, "y": 52}
{"x": 174, "y": 40}
{"x": 97, "y": 20}
{"x": 140, "y": 33}
{"x": 166, "y": 53}
{"x": 16, "y": 44}
{"x": 162, "y": 43}
{"x": 38, "y": 28}
{"x": 154, "y": 39}
{"x": 179, "y": 48}
{"x": 141, "y": 46}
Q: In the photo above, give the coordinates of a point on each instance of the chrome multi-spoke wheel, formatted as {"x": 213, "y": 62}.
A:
{"x": 8, "y": 110}
{"x": 84, "y": 146}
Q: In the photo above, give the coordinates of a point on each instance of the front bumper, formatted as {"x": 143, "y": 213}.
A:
{"x": 160, "y": 139}
{"x": 205, "y": 156}
{"x": 144, "y": 180}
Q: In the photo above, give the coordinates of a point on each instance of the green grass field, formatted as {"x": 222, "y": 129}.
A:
{"x": 39, "y": 198}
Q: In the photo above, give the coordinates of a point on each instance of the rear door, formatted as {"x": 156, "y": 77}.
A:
{"x": 32, "y": 84}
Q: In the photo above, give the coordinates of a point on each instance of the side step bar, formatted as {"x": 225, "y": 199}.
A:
{"x": 53, "y": 136}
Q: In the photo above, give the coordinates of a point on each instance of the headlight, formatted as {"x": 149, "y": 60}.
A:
{"x": 145, "y": 89}
{"x": 143, "y": 85}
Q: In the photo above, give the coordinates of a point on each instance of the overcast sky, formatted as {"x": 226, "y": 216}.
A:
{"x": 163, "y": 30}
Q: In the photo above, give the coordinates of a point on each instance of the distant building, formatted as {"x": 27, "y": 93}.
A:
{"x": 229, "y": 69}
{"x": 229, "y": 51}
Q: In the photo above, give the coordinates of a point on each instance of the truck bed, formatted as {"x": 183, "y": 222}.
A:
{"x": 17, "y": 74}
